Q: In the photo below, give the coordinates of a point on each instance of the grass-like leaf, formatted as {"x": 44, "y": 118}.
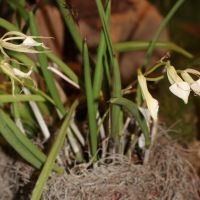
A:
{"x": 52, "y": 155}
{"x": 44, "y": 64}
{"x": 142, "y": 45}
{"x": 90, "y": 102}
{"x": 22, "y": 144}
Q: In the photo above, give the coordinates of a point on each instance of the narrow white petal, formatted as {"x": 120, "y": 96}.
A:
{"x": 30, "y": 42}
{"x": 182, "y": 90}
{"x": 20, "y": 73}
{"x": 64, "y": 77}
{"x": 196, "y": 86}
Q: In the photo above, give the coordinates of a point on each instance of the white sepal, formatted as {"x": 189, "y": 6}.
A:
{"x": 181, "y": 90}
{"x": 31, "y": 42}
{"x": 196, "y": 86}
{"x": 21, "y": 74}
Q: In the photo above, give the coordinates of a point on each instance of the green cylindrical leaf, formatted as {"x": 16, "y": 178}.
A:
{"x": 116, "y": 73}
{"x": 15, "y": 143}
{"x": 21, "y": 97}
{"x": 98, "y": 75}
{"x": 142, "y": 45}
{"x": 52, "y": 155}
{"x": 44, "y": 64}
{"x": 90, "y": 102}
{"x": 24, "y": 144}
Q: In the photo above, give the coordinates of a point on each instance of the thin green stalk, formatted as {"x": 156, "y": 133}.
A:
{"x": 44, "y": 64}
{"x": 156, "y": 79}
{"x": 52, "y": 155}
{"x": 164, "y": 23}
{"x": 22, "y": 144}
{"x": 36, "y": 91}
{"x": 6, "y": 98}
{"x": 116, "y": 73}
{"x": 155, "y": 67}
{"x": 107, "y": 80}
{"x": 142, "y": 45}
{"x": 98, "y": 74}
{"x": 145, "y": 74}
{"x": 116, "y": 93}
{"x": 105, "y": 27}
{"x": 129, "y": 86}
{"x": 90, "y": 103}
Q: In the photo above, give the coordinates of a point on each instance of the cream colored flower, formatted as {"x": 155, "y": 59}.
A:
{"x": 195, "y": 85}
{"x": 179, "y": 88}
{"x": 13, "y": 73}
{"x": 152, "y": 103}
{"x": 23, "y": 47}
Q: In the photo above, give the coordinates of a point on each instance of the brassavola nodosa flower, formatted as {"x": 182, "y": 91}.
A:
{"x": 152, "y": 103}
{"x": 13, "y": 73}
{"x": 195, "y": 85}
{"x": 23, "y": 47}
{"x": 178, "y": 87}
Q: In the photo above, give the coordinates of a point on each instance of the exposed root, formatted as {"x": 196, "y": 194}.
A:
{"x": 166, "y": 176}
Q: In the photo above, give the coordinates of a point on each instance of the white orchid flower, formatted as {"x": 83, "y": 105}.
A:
{"x": 13, "y": 73}
{"x": 195, "y": 85}
{"x": 23, "y": 47}
{"x": 179, "y": 88}
{"x": 152, "y": 103}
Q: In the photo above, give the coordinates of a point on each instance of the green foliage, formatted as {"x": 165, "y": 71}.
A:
{"x": 91, "y": 88}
